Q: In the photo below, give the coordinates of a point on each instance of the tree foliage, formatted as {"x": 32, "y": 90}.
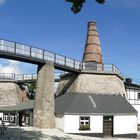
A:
{"x": 78, "y": 4}
{"x": 32, "y": 89}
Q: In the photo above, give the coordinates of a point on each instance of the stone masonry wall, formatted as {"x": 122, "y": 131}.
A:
{"x": 66, "y": 83}
{"x": 44, "y": 99}
{"x": 96, "y": 84}
{"x": 9, "y": 93}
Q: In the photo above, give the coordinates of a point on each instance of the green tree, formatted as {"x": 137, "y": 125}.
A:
{"x": 78, "y": 4}
{"x": 32, "y": 89}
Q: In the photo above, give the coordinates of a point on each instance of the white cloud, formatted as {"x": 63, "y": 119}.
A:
{"x": 2, "y": 2}
{"x": 11, "y": 67}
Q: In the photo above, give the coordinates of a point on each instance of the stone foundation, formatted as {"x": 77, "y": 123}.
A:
{"x": 10, "y": 93}
{"x": 95, "y": 83}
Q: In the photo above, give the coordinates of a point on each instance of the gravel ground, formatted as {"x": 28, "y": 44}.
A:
{"x": 31, "y": 133}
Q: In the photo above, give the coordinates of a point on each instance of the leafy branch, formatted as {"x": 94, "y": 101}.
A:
{"x": 78, "y": 4}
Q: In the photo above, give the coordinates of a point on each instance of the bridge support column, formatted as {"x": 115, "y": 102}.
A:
{"x": 43, "y": 116}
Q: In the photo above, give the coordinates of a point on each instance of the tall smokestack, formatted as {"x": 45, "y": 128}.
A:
{"x": 92, "y": 54}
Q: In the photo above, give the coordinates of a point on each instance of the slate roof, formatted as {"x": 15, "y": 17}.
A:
{"x": 74, "y": 103}
{"x": 19, "y": 107}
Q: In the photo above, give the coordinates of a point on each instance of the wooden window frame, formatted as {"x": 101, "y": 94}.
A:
{"x": 84, "y": 127}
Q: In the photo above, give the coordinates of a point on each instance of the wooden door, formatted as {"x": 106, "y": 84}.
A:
{"x": 108, "y": 125}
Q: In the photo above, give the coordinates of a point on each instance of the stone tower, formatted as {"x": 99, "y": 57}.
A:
{"x": 95, "y": 76}
{"x": 92, "y": 56}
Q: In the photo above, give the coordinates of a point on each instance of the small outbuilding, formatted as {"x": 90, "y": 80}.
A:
{"x": 15, "y": 107}
{"x": 96, "y": 115}
{"x": 19, "y": 114}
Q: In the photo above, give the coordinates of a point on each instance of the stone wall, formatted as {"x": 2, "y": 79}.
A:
{"x": 94, "y": 83}
{"x": 9, "y": 93}
{"x": 66, "y": 83}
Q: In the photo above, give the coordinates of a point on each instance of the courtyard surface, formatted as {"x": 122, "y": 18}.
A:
{"x": 31, "y": 133}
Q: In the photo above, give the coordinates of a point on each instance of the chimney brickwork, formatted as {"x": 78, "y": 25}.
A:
{"x": 92, "y": 51}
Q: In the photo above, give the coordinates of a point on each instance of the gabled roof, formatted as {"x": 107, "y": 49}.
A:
{"x": 74, "y": 103}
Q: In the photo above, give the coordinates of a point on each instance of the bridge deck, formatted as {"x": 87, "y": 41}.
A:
{"x": 29, "y": 54}
{"x": 26, "y": 53}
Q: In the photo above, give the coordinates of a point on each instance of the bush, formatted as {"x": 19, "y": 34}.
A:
{"x": 84, "y": 127}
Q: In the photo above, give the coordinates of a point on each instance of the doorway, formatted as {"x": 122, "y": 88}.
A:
{"x": 108, "y": 125}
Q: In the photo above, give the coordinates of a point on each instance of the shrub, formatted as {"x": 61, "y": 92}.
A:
{"x": 84, "y": 127}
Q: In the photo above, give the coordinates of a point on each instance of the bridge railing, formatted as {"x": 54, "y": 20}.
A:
{"x": 36, "y": 53}
{"x": 23, "y": 77}
{"x": 101, "y": 67}
{"x": 27, "y": 51}
{"x": 7, "y": 76}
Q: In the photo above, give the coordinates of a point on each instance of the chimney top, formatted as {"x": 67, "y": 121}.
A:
{"x": 92, "y": 22}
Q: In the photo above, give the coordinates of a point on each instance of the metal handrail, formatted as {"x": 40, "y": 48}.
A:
{"x": 23, "y": 77}
{"x": 101, "y": 67}
{"x": 33, "y": 52}
{"x": 27, "y": 51}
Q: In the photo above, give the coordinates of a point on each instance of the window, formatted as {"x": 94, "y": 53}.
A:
{"x": 6, "y": 117}
{"x": 84, "y": 123}
{"x": 27, "y": 120}
{"x": 138, "y": 95}
{"x": 12, "y": 118}
{"x": 9, "y": 117}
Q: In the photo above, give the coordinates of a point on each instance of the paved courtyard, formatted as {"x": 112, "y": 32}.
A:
{"x": 31, "y": 133}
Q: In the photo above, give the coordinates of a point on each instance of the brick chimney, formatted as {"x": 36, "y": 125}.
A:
{"x": 92, "y": 53}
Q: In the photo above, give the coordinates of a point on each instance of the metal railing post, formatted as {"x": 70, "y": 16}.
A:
{"x": 74, "y": 64}
{"x": 30, "y": 51}
{"x": 65, "y": 61}
{"x": 43, "y": 54}
{"x": 112, "y": 68}
{"x": 82, "y": 66}
{"x": 23, "y": 76}
{"x": 15, "y": 48}
{"x": 14, "y": 76}
{"x": 55, "y": 58}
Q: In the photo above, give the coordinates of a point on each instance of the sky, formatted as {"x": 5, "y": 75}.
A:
{"x": 51, "y": 25}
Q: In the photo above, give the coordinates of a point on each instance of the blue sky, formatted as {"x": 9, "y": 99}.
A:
{"x": 50, "y": 25}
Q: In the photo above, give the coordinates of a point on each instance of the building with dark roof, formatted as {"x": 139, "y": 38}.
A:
{"x": 95, "y": 104}
{"x": 94, "y": 101}
{"x": 96, "y": 115}
{"x": 18, "y": 114}
{"x": 14, "y": 103}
